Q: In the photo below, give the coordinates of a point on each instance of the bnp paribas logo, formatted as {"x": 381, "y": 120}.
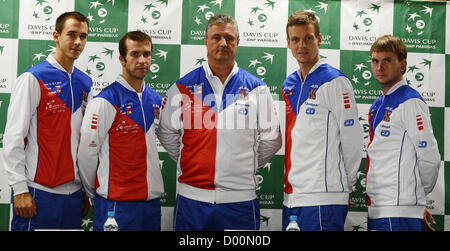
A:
{"x": 196, "y": 14}
{"x": 106, "y": 18}
{"x": 421, "y": 26}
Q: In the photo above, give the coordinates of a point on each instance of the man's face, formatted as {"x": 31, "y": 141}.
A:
{"x": 138, "y": 58}
{"x": 304, "y": 44}
{"x": 222, "y": 42}
{"x": 386, "y": 67}
{"x": 72, "y": 39}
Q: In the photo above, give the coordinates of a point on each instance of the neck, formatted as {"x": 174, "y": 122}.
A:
{"x": 387, "y": 86}
{"x": 66, "y": 63}
{"x": 221, "y": 70}
{"x": 136, "y": 84}
{"x": 305, "y": 68}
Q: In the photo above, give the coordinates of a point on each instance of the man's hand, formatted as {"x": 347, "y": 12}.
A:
{"x": 427, "y": 218}
{"x": 24, "y": 205}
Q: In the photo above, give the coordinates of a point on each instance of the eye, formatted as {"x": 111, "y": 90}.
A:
{"x": 147, "y": 54}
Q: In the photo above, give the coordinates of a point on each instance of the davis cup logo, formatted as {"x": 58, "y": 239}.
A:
{"x": 151, "y": 13}
{"x": 361, "y": 23}
{"x": 421, "y": 27}
{"x": 258, "y": 16}
{"x": 416, "y": 23}
{"x": 196, "y": 14}
{"x": 37, "y": 17}
{"x": 205, "y": 11}
{"x": 43, "y": 10}
{"x": 98, "y": 11}
{"x": 364, "y": 18}
{"x": 415, "y": 73}
{"x": 154, "y": 67}
{"x": 96, "y": 66}
{"x": 260, "y": 65}
{"x": 362, "y": 73}
{"x": 105, "y": 18}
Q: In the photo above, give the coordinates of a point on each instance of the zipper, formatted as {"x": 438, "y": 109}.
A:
{"x": 302, "y": 83}
{"x": 71, "y": 89}
{"x": 142, "y": 109}
{"x": 376, "y": 115}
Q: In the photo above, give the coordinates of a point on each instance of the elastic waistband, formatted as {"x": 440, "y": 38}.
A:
{"x": 216, "y": 196}
{"x": 315, "y": 199}
{"x": 396, "y": 211}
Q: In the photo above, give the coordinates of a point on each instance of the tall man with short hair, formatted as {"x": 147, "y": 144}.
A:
{"x": 219, "y": 124}
{"x": 42, "y": 134}
{"x": 324, "y": 139}
{"x": 403, "y": 159}
{"x": 118, "y": 144}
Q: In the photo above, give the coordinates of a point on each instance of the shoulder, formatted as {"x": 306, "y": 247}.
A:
{"x": 152, "y": 94}
{"x": 250, "y": 80}
{"x": 327, "y": 73}
{"x": 193, "y": 75}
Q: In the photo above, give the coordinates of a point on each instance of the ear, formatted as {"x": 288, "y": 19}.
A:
{"x": 403, "y": 65}
{"x": 56, "y": 36}
{"x": 319, "y": 38}
{"x": 122, "y": 60}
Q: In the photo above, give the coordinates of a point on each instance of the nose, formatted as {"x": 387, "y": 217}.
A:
{"x": 142, "y": 59}
{"x": 223, "y": 42}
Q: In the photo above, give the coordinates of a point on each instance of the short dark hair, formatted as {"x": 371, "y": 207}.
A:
{"x": 135, "y": 36}
{"x": 390, "y": 43}
{"x": 302, "y": 17}
{"x": 61, "y": 20}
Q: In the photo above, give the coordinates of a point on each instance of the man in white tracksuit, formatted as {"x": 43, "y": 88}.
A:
{"x": 118, "y": 159}
{"x": 323, "y": 136}
{"x": 219, "y": 124}
{"x": 402, "y": 157}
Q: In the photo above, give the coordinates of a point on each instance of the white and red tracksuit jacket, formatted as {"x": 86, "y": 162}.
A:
{"x": 43, "y": 128}
{"x": 324, "y": 139}
{"x": 118, "y": 157}
{"x": 403, "y": 159}
{"x": 219, "y": 134}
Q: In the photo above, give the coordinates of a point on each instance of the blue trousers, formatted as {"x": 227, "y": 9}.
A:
{"x": 394, "y": 224}
{"x": 130, "y": 215}
{"x": 317, "y": 218}
{"x": 192, "y": 215}
{"x": 54, "y": 211}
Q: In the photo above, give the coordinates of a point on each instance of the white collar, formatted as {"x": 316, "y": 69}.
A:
{"x": 125, "y": 84}
{"x": 55, "y": 63}
{"x": 396, "y": 86}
